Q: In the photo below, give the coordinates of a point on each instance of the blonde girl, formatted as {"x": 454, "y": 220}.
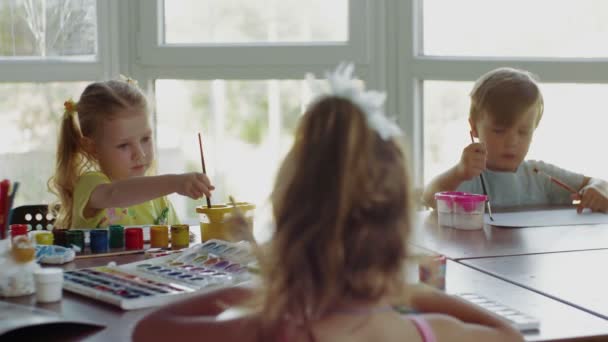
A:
{"x": 104, "y": 151}
{"x": 334, "y": 267}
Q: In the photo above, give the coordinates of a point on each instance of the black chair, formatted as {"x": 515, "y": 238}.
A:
{"x": 36, "y": 216}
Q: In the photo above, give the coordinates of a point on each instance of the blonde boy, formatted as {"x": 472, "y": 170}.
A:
{"x": 506, "y": 108}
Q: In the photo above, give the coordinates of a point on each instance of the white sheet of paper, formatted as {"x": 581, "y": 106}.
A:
{"x": 543, "y": 218}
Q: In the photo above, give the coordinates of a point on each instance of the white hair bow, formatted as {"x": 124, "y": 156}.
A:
{"x": 342, "y": 84}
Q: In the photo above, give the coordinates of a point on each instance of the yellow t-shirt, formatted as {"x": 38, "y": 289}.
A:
{"x": 156, "y": 211}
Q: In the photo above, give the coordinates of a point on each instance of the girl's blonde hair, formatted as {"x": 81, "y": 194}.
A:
{"x": 342, "y": 209}
{"x": 99, "y": 101}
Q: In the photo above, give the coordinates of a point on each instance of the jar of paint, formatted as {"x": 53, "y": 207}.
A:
{"x": 159, "y": 236}
{"x": 180, "y": 236}
{"x": 18, "y": 229}
{"x": 49, "y": 282}
{"x": 22, "y": 250}
{"x": 99, "y": 240}
{"x": 134, "y": 238}
{"x": 76, "y": 237}
{"x": 60, "y": 237}
{"x": 44, "y": 238}
{"x": 213, "y": 219}
{"x": 117, "y": 236}
{"x": 17, "y": 277}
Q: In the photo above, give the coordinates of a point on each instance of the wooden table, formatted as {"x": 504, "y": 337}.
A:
{"x": 576, "y": 278}
{"x": 460, "y": 278}
{"x": 492, "y": 241}
{"x": 558, "y": 321}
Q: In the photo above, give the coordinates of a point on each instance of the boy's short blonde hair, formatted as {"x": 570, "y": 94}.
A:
{"x": 504, "y": 94}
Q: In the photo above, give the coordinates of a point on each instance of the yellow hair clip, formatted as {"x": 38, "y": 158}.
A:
{"x": 70, "y": 106}
{"x": 128, "y": 79}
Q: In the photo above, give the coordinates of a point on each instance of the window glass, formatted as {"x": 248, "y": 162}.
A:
{"x": 246, "y": 126}
{"x": 30, "y": 114}
{"x": 48, "y": 28}
{"x": 245, "y": 21}
{"x": 516, "y": 28}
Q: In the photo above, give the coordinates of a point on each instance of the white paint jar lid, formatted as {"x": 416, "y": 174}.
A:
{"x": 48, "y": 275}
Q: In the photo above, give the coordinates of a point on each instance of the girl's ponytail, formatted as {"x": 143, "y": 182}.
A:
{"x": 68, "y": 163}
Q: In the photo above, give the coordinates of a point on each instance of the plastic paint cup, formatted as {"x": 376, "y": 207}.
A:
{"x": 180, "y": 236}
{"x": 117, "y": 236}
{"x": 99, "y": 240}
{"x": 213, "y": 220}
{"x": 44, "y": 238}
{"x": 18, "y": 229}
{"x": 76, "y": 237}
{"x": 159, "y": 236}
{"x": 460, "y": 210}
{"x": 49, "y": 282}
{"x": 134, "y": 238}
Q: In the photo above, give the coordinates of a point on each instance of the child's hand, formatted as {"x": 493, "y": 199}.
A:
{"x": 593, "y": 196}
{"x": 473, "y": 161}
{"x": 238, "y": 229}
{"x": 194, "y": 185}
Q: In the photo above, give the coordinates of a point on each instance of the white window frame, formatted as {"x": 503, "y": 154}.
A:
{"x": 154, "y": 52}
{"x": 261, "y": 61}
{"x": 414, "y": 68}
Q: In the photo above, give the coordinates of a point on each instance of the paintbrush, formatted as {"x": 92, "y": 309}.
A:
{"x": 4, "y": 199}
{"x": 200, "y": 145}
{"x": 11, "y": 201}
{"x": 483, "y": 187}
{"x": 558, "y": 182}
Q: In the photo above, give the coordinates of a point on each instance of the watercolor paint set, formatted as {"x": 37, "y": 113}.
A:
{"x": 161, "y": 280}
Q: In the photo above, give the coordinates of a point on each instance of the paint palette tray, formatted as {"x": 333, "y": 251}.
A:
{"x": 517, "y": 319}
{"x": 161, "y": 280}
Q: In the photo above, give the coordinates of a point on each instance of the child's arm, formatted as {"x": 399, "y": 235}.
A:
{"x": 467, "y": 322}
{"x": 194, "y": 317}
{"x": 136, "y": 190}
{"x": 447, "y": 181}
{"x": 471, "y": 164}
{"x": 593, "y": 194}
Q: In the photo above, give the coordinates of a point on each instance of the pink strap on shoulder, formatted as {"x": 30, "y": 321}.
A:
{"x": 283, "y": 335}
{"x": 423, "y": 327}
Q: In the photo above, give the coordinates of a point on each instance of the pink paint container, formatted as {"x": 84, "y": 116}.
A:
{"x": 460, "y": 210}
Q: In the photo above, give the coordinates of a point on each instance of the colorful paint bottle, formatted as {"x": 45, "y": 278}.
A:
{"x": 117, "y": 236}
{"x": 99, "y": 240}
{"x": 134, "y": 238}
{"x": 18, "y": 229}
{"x": 431, "y": 271}
{"x": 180, "y": 236}
{"x": 159, "y": 237}
{"x": 76, "y": 237}
{"x": 44, "y": 238}
{"x": 60, "y": 237}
